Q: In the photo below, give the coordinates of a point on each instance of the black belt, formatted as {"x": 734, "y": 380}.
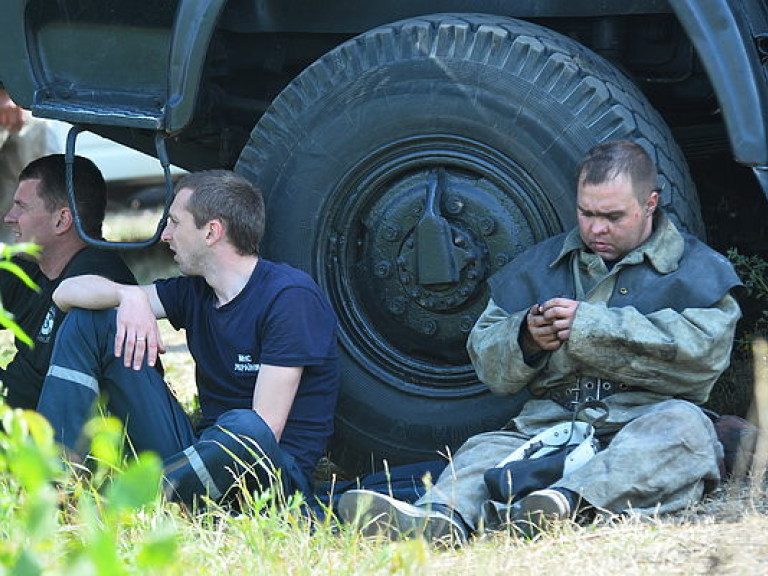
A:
{"x": 586, "y": 389}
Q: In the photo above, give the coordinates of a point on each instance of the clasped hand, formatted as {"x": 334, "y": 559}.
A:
{"x": 549, "y": 323}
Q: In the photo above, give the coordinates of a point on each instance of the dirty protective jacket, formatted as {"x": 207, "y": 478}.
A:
{"x": 660, "y": 351}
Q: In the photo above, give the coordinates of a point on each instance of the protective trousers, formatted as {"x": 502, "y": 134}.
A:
{"x": 239, "y": 450}
{"x": 659, "y": 462}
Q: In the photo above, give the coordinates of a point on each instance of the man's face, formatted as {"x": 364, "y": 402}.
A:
{"x": 612, "y": 222}
{"x": 29, "y": 219}
{"x": 185, "y": 240}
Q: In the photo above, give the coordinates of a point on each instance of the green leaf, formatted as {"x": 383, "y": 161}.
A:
{"x": 107, "y": 434}
{"x": 40, "y": 515}
{"x": 32, "y": 468}
{"x": 6, "y": 321}
{"x": 19, "y": 272}
{"x": 102, "y": 550}
{"x": 40, "y": 430}
{"x": 28, "y": 444}
{"x": 26, "y": 565}
{"x": 138, "y": 485}
{"x": 158, "y": 550}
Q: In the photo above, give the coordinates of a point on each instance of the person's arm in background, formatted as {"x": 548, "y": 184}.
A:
{"x": 11, "y": 114}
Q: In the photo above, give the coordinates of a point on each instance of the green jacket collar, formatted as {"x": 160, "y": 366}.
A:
{"x": 663, "y": 248}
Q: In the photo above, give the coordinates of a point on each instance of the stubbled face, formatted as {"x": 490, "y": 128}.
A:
{"x": 185, "y": 240}
{"x": 28, "y": 218}
{"x": 612, "y": 221}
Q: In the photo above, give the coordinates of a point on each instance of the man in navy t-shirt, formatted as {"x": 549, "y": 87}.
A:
{"x": 263, "y": 338}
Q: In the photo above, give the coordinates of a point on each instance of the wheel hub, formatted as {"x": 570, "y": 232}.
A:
{"x": 478, "y": 230}
{"x": 415, "y": 230}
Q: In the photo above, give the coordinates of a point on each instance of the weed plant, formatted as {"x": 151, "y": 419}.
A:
{"x": 109, "y": 517}
{"x": 753, "y": 271}
{"x": 733, "y": 393}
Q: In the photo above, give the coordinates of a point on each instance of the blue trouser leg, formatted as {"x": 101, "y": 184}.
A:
{"x": 238, "y": 450}
{"x": 83, "y": 366}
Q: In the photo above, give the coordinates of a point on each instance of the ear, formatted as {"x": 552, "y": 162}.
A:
{"x": 64, "y": 220}
{"x": 214, "y": 231}
{"x": 652, "y": 203}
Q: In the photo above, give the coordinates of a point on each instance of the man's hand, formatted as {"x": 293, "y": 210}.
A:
{"x": 11, "y": 114}
{"x": 548, "y": 325}
{"x": 138, "y": 334}
{"x": 138, "y": 308}
{"x": 560, "y": 313}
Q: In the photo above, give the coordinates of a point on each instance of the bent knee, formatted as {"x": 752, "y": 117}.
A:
{"x": 681, "y": 409}
{"x": 244, "y": 422}
{"x": 686, "y": 419}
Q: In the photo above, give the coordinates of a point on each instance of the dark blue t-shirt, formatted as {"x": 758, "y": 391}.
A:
{"x": 280, "y": 318}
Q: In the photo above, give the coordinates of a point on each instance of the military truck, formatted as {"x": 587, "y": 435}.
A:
{"x": 407, "y": 149}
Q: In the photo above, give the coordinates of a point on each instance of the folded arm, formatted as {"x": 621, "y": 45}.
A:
{"x": 138, "y": 309}
{"x": 675, "y": 353}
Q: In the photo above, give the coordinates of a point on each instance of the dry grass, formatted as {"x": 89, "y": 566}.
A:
{"x": 696, "y": 545}
{"x": 634, "y": 546}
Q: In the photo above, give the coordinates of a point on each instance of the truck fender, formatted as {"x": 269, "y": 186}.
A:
{"x": 723, "y": 39}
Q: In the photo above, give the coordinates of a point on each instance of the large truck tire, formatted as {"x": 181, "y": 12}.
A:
{"x": 493, "y": 114}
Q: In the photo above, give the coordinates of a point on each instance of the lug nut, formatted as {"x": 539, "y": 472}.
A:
{"x": 501, "y": 259}
{"x": 390, "y": 232}
{"x": 466, "y": 324}
{"x": 487, "y": 226}
{"x": 454, "y": 205}
{"x": 396, "y": 306}
{"x": 429, "y": 327}
{"x": 383, "y": 269}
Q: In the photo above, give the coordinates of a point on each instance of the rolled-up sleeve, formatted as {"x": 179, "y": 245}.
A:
{"x": 495, "y": 353}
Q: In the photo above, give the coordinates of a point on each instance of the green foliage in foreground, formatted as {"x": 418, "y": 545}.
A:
{"x": 67, "y": 520}
{"x": 7, "y": 252}
{"x": 111, "y": 519}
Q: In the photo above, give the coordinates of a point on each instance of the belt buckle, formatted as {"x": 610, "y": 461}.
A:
{"x": 590, "y": 388}
{"x": 573, "y": 396}
{"x": 587, "y": 389}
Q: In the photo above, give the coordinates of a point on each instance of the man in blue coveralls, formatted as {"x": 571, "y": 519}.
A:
{"x": 262, "y": 334}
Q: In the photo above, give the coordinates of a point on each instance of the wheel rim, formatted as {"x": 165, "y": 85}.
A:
{"x": 408, "y": 333}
